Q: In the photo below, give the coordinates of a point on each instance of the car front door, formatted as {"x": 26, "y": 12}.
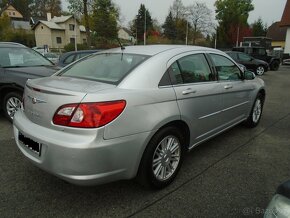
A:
{"x": 248, "y": 61}
{"x": 236, "y": 91}
{"x": 198, "y": 95}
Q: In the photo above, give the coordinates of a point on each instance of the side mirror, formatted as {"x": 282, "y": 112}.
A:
{"x": 249, "y": 75}
{"x": 243, "y": 68}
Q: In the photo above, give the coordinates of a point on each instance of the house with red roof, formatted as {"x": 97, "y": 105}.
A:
{"x": 285, "y": 22}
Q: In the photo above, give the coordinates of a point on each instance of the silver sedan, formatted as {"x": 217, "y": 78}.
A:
{"x": 134, "y": 111}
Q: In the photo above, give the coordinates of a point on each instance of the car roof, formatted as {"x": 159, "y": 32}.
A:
{"x": 80, "y": 52}
{"x": 152, "y": 50}
{"x": 66, "y": 54}
{"x": 11, "y": 44}
{"x": 234, "y": 52}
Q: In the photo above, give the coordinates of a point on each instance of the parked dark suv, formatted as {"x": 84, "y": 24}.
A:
{"x": 259, "y": 67}
{"x": 17, "y": 64}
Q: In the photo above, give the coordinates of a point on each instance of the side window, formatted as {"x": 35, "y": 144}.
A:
{"x": 58, "y": 40}
{"x": 81, "y": 55}
{"x": 233, "y": 55}
{"x": 244, "y": 57}
{"x": 194, "y": 68}
{"x": 225, "y": 68}
{"x": 69, "y": 59}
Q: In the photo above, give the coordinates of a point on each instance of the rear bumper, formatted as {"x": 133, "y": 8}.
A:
{"x": 85, "y": 159}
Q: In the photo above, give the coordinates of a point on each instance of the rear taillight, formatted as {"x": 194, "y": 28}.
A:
{"x": 88, "y": 115}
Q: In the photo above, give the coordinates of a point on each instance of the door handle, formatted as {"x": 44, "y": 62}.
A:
{"x": 188, "y": 91}
{"x": 228, "y": 86}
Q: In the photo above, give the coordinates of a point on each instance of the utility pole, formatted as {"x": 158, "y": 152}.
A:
{"x": 186, "y": 37}
{"x": 215, "y": 39}
{"x": 145, "y": 28}
{"x": 76, "y": 45}
{"x": 136, "y": 34}
{"x": 238, "y": 36}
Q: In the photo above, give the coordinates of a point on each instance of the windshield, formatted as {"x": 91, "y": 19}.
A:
{"x": 108, "y": 68}
{"x": 21, "y": 57}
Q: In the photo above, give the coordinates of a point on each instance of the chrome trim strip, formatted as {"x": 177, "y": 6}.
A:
{"x": 238, "y": 105}
{"x": 209, "y": 115}
{"x": 224, "y": 110}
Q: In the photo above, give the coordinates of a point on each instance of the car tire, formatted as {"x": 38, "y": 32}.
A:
{"x": 260, "y": 70}
{"x": 162, "y": 158}
{"x": 256, "y": 112}
{"x": 11, "y": 103}
{"x": 274, "y": 65}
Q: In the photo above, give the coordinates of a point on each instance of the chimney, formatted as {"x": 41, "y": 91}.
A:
{"x": 48, "y": 15}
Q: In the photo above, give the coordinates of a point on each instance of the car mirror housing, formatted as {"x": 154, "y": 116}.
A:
{"x": 243, "y": 68}
{"x": 249, "y": 75}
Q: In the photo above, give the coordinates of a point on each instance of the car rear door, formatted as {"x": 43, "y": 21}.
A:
{"x": 235, "y": 92}
{"x": 198, "y": 95}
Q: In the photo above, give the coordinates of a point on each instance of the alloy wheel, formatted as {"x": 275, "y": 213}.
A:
{"x": 12, "y": 105}
{"x": 260, "y": 70}
{"x": 166, "y": 158}
{"x": 257, "y": 111}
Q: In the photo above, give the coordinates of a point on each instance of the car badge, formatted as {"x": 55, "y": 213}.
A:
{"x": 36, "y": 100}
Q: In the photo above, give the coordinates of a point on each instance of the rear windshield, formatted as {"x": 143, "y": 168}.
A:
{"x": 108, "y": 68}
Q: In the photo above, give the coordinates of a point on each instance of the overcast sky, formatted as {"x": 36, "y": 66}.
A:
{"x": 269, "y": 10}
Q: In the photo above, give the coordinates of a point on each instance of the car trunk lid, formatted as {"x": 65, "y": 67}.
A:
{"x": 42, "y": 97}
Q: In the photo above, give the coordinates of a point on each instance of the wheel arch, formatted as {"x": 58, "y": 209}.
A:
{"x": 9, "y": 88}
{"x": 140, "y": 173}
{"x": 180, "y": 124}
{"x": 263, "y": 94}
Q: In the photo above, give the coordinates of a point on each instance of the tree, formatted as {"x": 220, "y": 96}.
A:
{"x": 177, "y": 10}
{"x": 231, "y": 14}
{"x": 40, "y": 8}
{"x": 201, "y": 20}
{"x": 4, "y": 27}
{"x": 169, "y": 27}
{"x": 259, "y": 28}
{"x": 179, "y": 14}
{"x": 138, "y": 24}
{"x": 105, "y": 16}
{"x": 157, "y": 28}
{"x": 9, "y": 34}
{"x": 83, "y": 7}
{"x": 182, "y": 25}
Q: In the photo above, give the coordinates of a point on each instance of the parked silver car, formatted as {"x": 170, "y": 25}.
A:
{"x": 279, "y": 206}
{"x": 132, "y": 112}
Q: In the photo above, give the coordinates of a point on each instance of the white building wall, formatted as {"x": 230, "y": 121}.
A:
{"x": 71, "y": 33}
{"x": 123, "y": 35}
{"x": 287, "y": 44}
{"x": 43, "y": 36}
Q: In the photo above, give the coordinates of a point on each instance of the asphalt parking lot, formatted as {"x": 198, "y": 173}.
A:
{"x": 233, "y": 175}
